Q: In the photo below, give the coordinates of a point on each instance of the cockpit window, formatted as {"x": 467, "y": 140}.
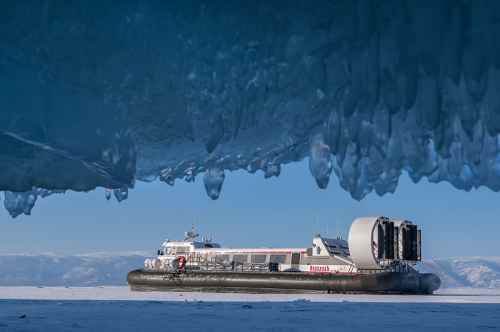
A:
{"x": 182, "y": 250}
{"x": 336, "y": 246}
{"x": 165, "y": 251}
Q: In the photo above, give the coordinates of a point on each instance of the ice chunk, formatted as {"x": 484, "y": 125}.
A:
{"x": 17, "y": 203}
{"x": 20, "y": 203}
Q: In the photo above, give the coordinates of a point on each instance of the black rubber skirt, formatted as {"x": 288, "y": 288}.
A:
{"x": 383, "y": 282}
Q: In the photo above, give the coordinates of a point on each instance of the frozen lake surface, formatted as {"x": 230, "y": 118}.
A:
{"x": 117, "y": 309}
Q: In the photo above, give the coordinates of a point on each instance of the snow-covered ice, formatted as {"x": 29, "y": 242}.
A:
{"x": 234, "y": 312}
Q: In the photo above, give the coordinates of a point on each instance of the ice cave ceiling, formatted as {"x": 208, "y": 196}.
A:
{"x": 101, "y": 93}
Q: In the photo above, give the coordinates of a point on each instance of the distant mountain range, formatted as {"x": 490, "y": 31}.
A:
{"x": 112, "y": 269}
{"x": 75, "y": 270}
{"x": 477, "y": 272}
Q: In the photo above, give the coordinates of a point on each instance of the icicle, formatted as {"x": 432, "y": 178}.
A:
{"x": 213, "y": 180}
{"x": 271, "y": 170}
{"x": 121, "y": 194}
{"x": 189, "y": 175}
{"x": 320, "y": 161}
{"x": 167, "y": 176}
{"x": 107, "y": 193}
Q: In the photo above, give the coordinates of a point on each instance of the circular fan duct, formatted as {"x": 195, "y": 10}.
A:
{"x": 377, "y": 242}
{"x": 363, "y": 242}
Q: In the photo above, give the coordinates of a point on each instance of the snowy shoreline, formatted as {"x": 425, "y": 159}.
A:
{"x": 123, "y": 293}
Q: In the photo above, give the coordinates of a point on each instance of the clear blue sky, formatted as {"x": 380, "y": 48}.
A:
{"x": 251, "y": 211}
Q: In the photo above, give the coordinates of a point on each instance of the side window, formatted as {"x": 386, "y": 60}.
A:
{"x": 277, "y": 259}
{"x": 295, "y": 258}
{"x": 240, "y": 258}
{"x": 222, "y": 258}
{"x": 259, "y": 259}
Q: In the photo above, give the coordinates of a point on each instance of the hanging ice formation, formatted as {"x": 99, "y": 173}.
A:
{"x": 170, "y": 90}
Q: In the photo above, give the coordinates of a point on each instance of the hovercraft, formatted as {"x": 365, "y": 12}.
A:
{"x": 379, "y": 256}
